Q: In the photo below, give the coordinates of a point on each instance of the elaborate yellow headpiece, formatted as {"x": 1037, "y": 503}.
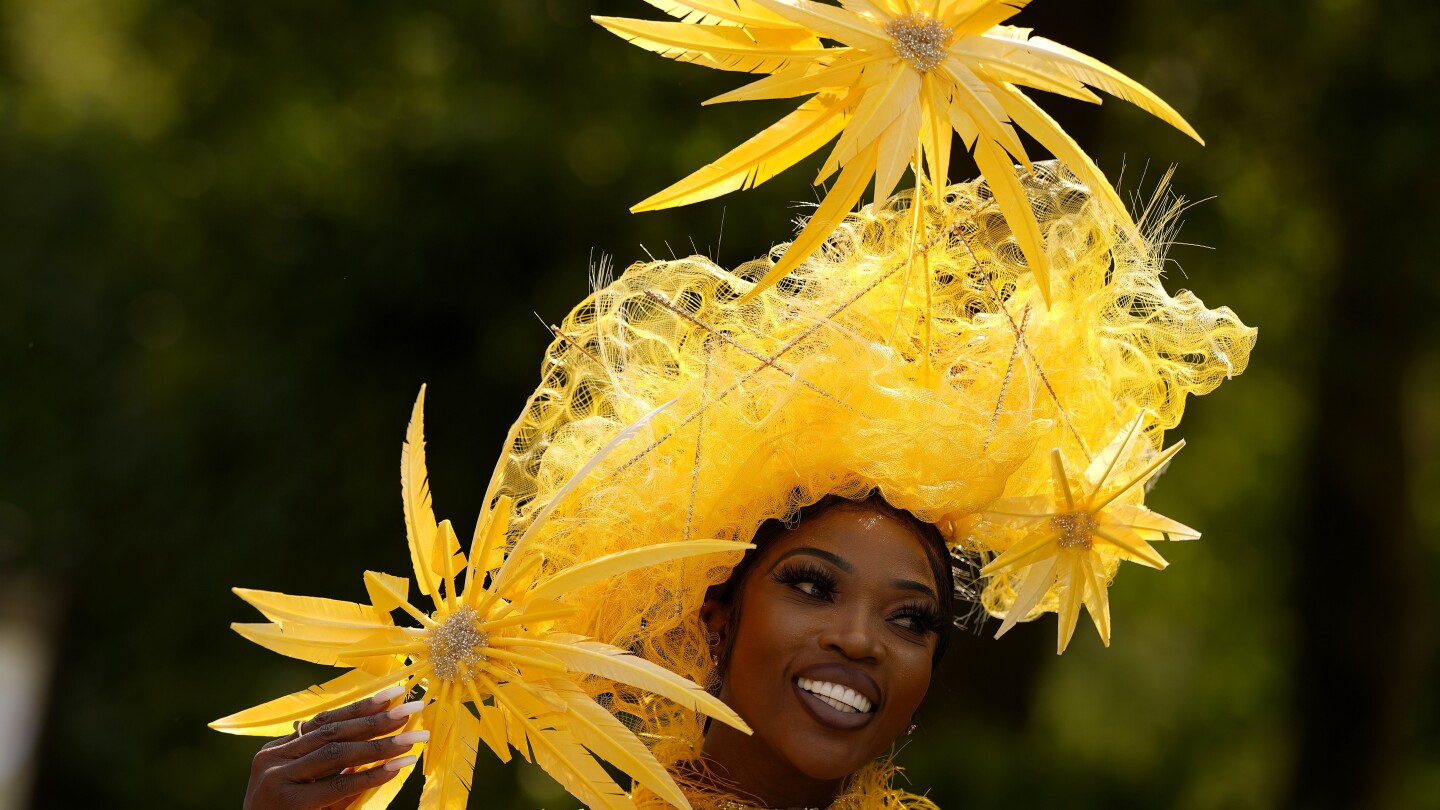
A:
{"x": 999, "y": 358}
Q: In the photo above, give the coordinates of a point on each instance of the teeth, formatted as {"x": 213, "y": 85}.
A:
{"x": 842, "y": 698}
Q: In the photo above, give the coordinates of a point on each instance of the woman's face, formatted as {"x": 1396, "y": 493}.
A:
{"x": 832, "y": 655}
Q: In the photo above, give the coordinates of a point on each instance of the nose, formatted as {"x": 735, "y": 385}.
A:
{"x": 853, "y": 634}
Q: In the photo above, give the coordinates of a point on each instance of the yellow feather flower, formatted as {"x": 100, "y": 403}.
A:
{"x": 1076, "y": 534}
{"x": 494, "y": 644}
{"x": 905, "y": 74}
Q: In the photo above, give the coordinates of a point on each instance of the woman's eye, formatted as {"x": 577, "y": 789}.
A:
{"x": 805, "y": 586}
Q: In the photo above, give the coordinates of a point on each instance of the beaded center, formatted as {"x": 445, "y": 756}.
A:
{"x": 1075, "y": 529}
{"x": 920, "y": 40}
{"x": 454, "y": 646}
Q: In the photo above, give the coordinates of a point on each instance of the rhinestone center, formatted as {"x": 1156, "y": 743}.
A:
{"x": 1076, "y": 529}
{"x": 920, "y": 40}
{"x": 454, "y": 646}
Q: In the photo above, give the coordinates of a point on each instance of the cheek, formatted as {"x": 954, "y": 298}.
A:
{"x": 911, "y": 682}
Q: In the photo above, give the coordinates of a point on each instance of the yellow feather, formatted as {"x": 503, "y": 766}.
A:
{"x": 717, "y": 12}
{"x": 1029, "y": 117}
{"x": 725, "y": 47}
{"x": 575, "y": 769}
{"x": 765, "y": 155}
{"x": 283, "y": 608}
{"x": 842, "y": 198}
{"x": 1033, "y": 585}
{"x": 610, "y": 565}
{"x": 830, "y": 22}
{"x": 978, "y": 102}
{"x": 1103, "y": 77}
{"x": 1132, "y": 544}
{"x": 896, "y": 151}
{"x": 1000, "y": 176}
{"x": 879, "y": 107}
{"x": 607, "y": 661}
{"x": 278, "y": 716}
{"x": 991, "y": 61}
{"x": 1150, "y": 525}
{"x": 597, "y": 729}
{"x": 937, "y": 136}
{"x": 519, "y": 551}
{"x": 386, "y": 591}
{"x": 492, "y": 729}
{"x": 379, "y": 797}
{"x": 450, "y": 755}
{"x": 1030, "y": 549}
{"x": 1120, "y": 449}
{"x": 985, "y": 15}
{"x": 317, "y": 644}
{"x": 487, "y": 547}
{"x": 838, "y": 75}
{"x": 420, "y": 526}
{"x": 1097, "y": 599}
{"x": 1072, "y": 592}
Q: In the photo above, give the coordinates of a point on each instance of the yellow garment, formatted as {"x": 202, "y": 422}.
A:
{"x": 821, "y": 385}
{"x": 872, "y": 788}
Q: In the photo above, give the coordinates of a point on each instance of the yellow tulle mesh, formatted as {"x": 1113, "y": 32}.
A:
{"x": 846, "y": 377}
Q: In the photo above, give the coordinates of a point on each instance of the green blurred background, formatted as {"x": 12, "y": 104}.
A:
{"x": 235, "y": 238}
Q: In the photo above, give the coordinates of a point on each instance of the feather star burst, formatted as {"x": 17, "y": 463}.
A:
{"x": 1075, "y": 533}
{"x": 906, "y": 73}
{"x": 491, "y": 644}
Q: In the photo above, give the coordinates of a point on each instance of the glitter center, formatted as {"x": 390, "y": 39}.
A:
{"x": 455, "y": 645}
{"x": 920, "y": 40}
{"x": 1075, "y": 529}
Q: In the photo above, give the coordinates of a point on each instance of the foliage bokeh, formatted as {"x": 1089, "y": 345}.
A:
{"x": 235, "y": 238}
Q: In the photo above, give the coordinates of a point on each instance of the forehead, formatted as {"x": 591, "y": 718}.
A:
{"x": 874, "y": 543}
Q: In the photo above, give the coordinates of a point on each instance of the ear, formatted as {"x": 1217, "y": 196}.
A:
{"x": 715, "y": 616}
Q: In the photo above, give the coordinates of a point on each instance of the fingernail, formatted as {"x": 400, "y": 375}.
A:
{"x": 389, "y": 694}
{"x": 401, "y": 762}
{"x": 409, "y": 738}
{"x": 404, "y": 710}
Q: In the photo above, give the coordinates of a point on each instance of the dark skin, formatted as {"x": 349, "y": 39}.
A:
{"x": 315, "y": 768}
{"x": 846, "y": 601}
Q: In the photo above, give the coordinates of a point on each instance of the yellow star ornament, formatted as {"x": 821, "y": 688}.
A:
{"x": 905, "y": 74}
{"x": 1078, "y": 534}
{"x": 491, "y": 644}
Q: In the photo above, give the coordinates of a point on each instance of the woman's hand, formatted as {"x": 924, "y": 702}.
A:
{"x": 315, "y": 768}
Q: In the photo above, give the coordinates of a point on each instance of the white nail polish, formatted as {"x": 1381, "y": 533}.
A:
{"x": 389, "y": 694}
{"x": 400, "y": 762}
{"x": 404, "y": 710}
{"x": 411, "y": 737}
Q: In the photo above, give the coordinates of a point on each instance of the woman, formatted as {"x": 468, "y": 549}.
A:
{"x": 1001, "y": 423}
{"x": 825, "y": 635}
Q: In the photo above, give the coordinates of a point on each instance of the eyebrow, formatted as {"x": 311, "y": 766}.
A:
{"x": 912, "y": 585}
{"x": 830, "y": 557}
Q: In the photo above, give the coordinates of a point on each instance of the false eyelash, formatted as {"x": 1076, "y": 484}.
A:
{"x": 926, "y": 616}
{"x": 797, "y": 572}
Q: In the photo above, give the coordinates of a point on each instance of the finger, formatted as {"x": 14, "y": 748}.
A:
{"x": 360, "y": 708}
{"x": 333, "y": 758}
{"x": 328, "y": 791}
{"x": 367, "y": 727}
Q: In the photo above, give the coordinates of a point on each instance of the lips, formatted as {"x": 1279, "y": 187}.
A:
{"x": 836, "y": 695}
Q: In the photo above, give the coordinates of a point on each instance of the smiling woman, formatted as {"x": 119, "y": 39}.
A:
{"x": 825, "y": 637}
{"x": 669, "y": 415}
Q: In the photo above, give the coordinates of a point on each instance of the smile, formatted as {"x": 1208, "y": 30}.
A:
{"x": 840, "y": 698}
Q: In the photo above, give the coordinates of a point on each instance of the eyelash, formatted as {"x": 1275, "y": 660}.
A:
{"x": 797, "y": 573}
{"x": 926, "y": 619}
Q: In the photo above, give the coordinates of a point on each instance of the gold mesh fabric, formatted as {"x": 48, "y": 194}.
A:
{"x": 867, "y": 368}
